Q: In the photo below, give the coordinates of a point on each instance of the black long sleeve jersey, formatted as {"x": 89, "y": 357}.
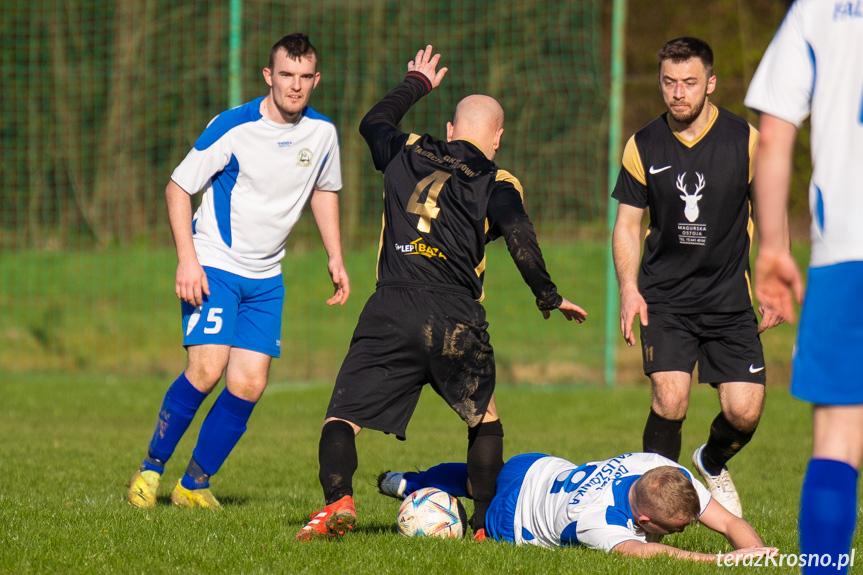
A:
{"x": 443, "y": 201}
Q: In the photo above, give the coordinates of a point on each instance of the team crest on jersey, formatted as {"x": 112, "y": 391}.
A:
{"x": 693, "y": 234}
{"x": 304, "y": 157}
{"x": 418, "y": 247}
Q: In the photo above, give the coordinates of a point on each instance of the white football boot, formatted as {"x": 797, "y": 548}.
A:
{"x": 392, "y": 484}
{"x": 720, "y": 486}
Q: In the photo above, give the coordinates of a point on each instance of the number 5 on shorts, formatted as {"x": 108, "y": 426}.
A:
{"x": 428, "y": 210}
{"x": 213, "y": 318}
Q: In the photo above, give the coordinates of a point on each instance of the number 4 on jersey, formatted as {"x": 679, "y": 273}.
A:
{"x": 428, "y": 210}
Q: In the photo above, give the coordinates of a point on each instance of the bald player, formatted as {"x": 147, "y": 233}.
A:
{"x": 443, "y": 201}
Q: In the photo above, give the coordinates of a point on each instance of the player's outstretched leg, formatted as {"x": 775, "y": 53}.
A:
{"x": 449, "y": 477}
{"x": 337, "y": 457}
{"x": 394, "y": 484}
{"x": 179, "y": 407}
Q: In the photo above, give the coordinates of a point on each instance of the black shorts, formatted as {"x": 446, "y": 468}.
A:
{"x": 726, "y": 345}
{"x": 407, "y": 337}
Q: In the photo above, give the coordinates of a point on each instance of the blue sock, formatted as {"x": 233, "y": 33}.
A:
{"x": 220, "y": 432}
{"x": 828, "y": 512}
{"x": 179, "y": 407}
{"x": 449, "y": 477}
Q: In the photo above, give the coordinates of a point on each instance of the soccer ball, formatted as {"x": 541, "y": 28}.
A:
{"x": 430, "y": 512}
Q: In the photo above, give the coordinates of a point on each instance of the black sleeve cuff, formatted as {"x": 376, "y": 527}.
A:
{"x": 422, "y": 77}
{"x": 550, "y": 302}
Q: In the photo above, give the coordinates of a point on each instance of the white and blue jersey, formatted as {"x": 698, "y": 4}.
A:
{"x": 257, "y": 175}
{"x": 814, "y": 66}
{"x": 550, "y": 502}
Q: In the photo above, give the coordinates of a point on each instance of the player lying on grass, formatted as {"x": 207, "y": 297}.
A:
{"x": 623, "y": 504}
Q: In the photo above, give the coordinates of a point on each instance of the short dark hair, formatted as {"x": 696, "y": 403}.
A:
{"x": 666, "y": 493}
{"x": 297, "y": 46}
{"x": 682, "y": 49}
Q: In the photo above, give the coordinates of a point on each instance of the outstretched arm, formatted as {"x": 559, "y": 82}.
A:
{"x": 738, "y": 532}
{"x": 325, "y": 208}
{"x": 378, "y": 127}
{"x": 507, "y": 218}
{"x": 635, "y": 548}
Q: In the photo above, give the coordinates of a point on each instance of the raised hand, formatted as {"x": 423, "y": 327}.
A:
{"x": 425, "y": 64}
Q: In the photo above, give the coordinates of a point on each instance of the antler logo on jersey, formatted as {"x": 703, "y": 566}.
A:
{"x": 691, "y": 209}
{"x": 691, "y": 233}
{"x": 418, "y": 247}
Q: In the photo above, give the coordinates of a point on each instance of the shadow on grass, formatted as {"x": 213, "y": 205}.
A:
{"x": 377, "y": 528}
{"x": 225, "y": 500}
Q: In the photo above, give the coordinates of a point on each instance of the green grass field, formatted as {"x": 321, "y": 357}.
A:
{"x": 69, "y": 444}
{"x": 90, "y": 341}
{"x": 114, "y": 312}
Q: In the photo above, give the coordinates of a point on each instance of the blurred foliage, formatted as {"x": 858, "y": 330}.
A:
{"x": 104, "y": 98}
{"x": 738, "y": 31}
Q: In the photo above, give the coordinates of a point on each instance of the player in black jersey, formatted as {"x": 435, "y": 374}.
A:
{"x": 443, "y": 201}
{"x": 691, "y": 168}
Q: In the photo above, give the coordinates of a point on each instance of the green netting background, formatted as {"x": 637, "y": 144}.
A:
{"x": 101, "y": 100}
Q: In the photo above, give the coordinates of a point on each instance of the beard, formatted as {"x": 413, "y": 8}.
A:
{"x": 691, "y": 115}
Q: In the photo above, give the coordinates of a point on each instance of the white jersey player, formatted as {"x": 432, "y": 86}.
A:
{"x": 258, "y": 165}
{"x": 814, "y": 67}
{"x": 623, "y": 504}
{"x": 257, "y": 175}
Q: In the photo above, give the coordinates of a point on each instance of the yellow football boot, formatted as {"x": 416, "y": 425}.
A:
{"x": 183, "y": 497}
{"x": 142, "y": 489}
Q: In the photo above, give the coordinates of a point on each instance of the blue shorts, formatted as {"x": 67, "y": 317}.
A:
{"x": 826, "y": 367}
{"x": 500, "y": 517}
{"x": 239, "y": 312}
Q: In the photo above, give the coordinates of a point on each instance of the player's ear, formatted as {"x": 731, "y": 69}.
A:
{"x": 497, "y": 137}
{"x": 268, "y": 76}
{"x": 449, "y": 130}
{"x": 711, "y": 84}
{"x": 317, "y": 79}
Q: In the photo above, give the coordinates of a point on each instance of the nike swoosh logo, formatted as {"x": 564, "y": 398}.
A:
{"x": 753, "y": 369}
{"x": 652, "y": 170}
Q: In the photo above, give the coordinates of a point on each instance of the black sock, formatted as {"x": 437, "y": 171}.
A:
{"x": 337, "y": 456}
{"x": 724, "y": 442}
{"x": 484, "y": 461}
{"x": 662, "y": 436}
